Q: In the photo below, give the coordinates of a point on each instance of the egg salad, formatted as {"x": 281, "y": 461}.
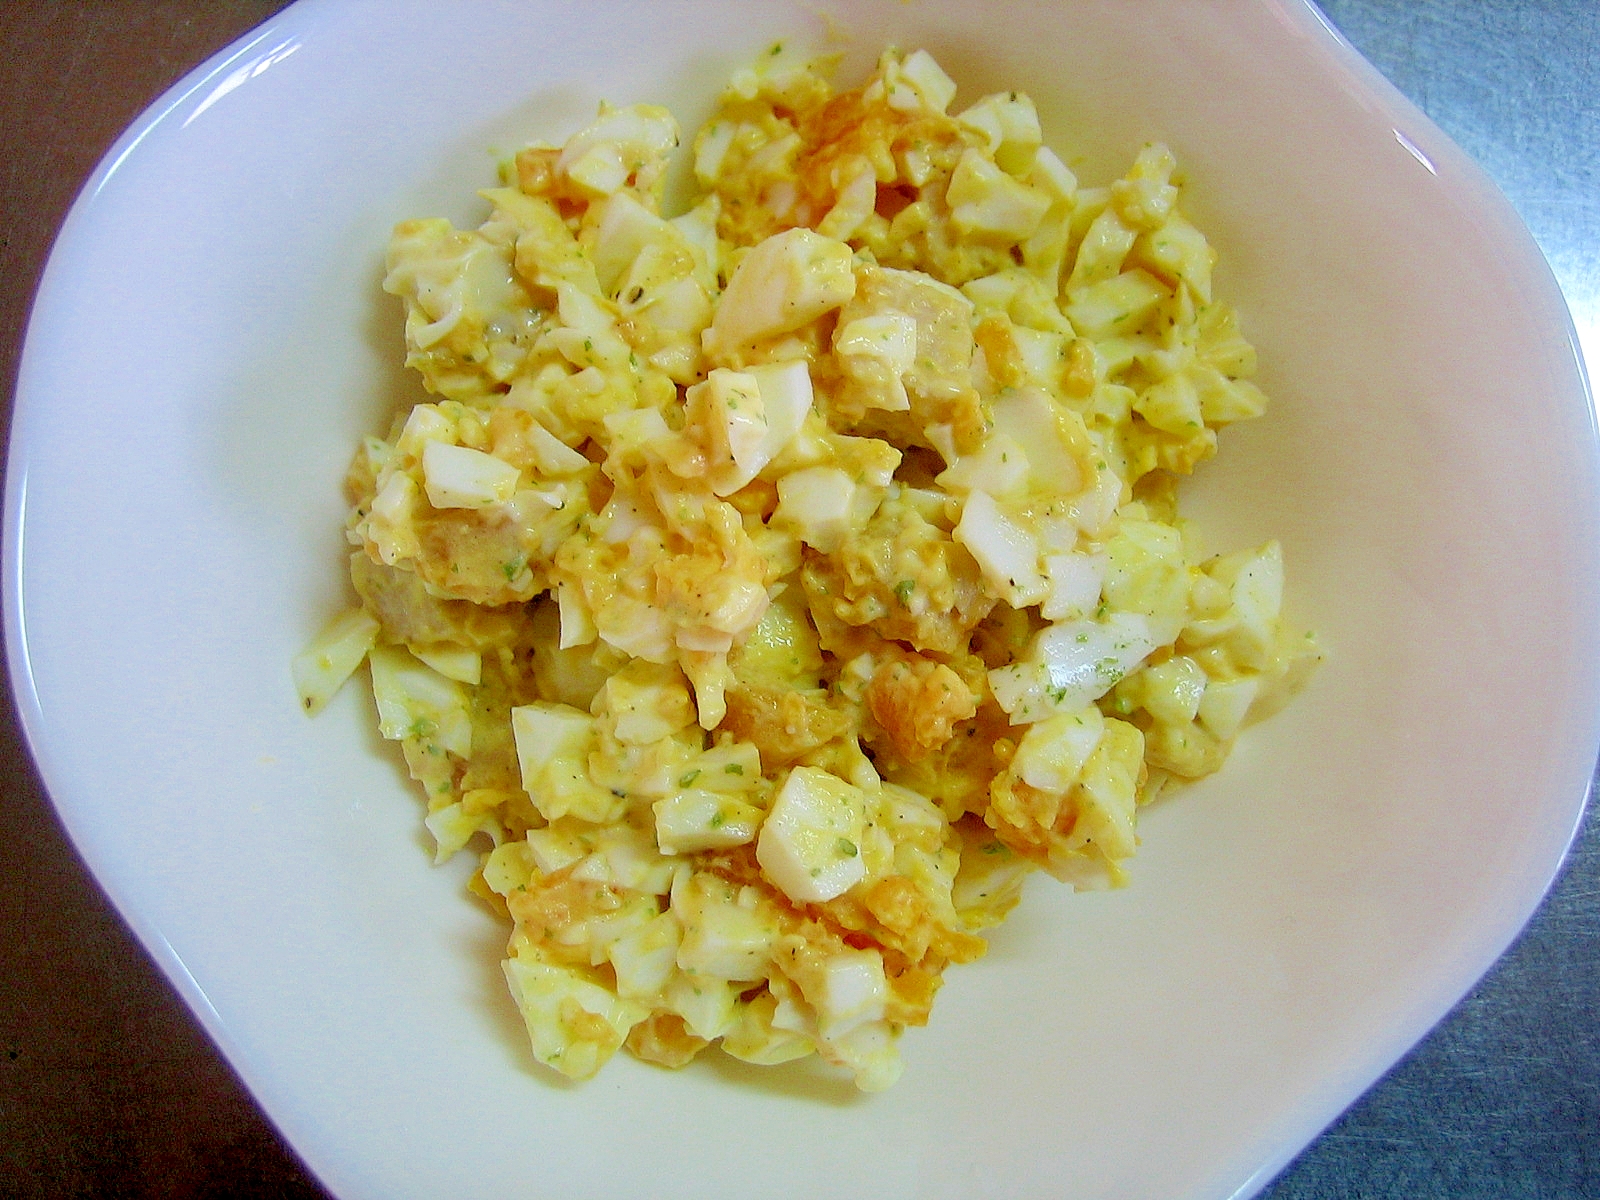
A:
{"x": 765, "y": 590}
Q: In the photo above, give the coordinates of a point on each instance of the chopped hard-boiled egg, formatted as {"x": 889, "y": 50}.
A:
{"x": 782, "y": 285}
{"x": 810, "y": 844}
{"x": 333, "y": 656}
{"x": 765, "y": 588}
{"x": 817, "y": 504}
{"x": 460, "y": 477}
{"x": 696, "y": 819}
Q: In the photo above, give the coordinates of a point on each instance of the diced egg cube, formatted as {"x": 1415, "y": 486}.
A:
{"x": 424, "y": 425}
{"x": 1258, "y": 599}
{"x": 633, "y": 861}
{"x": 574, "y": 1024}
{"x": 850, "y": 990}
{"x": 1224, "y": 400}
{"x": 1051, "y": 755}
{"x": 645, "y": 958}
{"x": 453, "y": 662}
{"x": 1071, "y": 664}
{"x": 697, "y": 819}
{"x": 710, "y": 148}
{"x": 1171, "y": 405}
{"x": 577, "y": 622}
{"x": 1114, "y": 306}
{"x": 646, "y": 706}
{"x": 998, "y": 468}
{"x": 729, "y": 767}
{"x": 556, "y": 845}
{"x": 1050, "y": 174}
{"x": 1047, "y": 434}
{"x": 732, "y": 400}
{"x": 1009, "y": 124}
{"x": 637, "y": 628}
{"x": 460, "y": 477}
{"x": 390, "y": 522}
{"x": 810, "y": 843}
{"x": 551, "y": 455}
{"x": 415, "y": 701}
{"x": 588, "y": 335}
{"x": 600, "y": 157}
{"x": 634, "y": 429}
{"x": 996, "y": 292}
{"x": 1225, "y": 704}
{"x": 508, "y": 867}
{"x": 1171, "y": 691}
{"x": 625, "y": 228}
{"x": 817, "y": 503}
{"x": 1042, "y": 351}
{"x": 911, "y": 818}
{"x": 786, "y": 398}
{"x": 332, "y": 657}
{"x": 1074, "y": 585}
{"x": 452, "y": 827}
{"x": 753, "y": 1037}
{"x": 1007, "y": 554}
{"x": 723, "y": 939}
{"x": 920, "y": 81}
{"x": 986, "y": 202}
{"x": 564, "y": 788}
{"x": 597, "y": 932}
{"x": 1093, "y": 508}
{"x": 870, "y": 1052}
{"x": 708, "y": 1006}
{"x": 1109, "y": 791}
{"x": 545, "y": 732}
{"x": 785, "y": 282}
{"x": 600, "y": 169}
{"x": 856, "y": 202}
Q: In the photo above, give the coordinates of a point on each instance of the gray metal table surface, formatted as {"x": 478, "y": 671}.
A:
{"x": 109, "y": 1088}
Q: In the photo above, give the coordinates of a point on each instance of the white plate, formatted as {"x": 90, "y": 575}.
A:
{"x": 209, "y": 342}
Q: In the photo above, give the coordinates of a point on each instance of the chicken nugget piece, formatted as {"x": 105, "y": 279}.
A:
{"x": 918, "y": 702}
{"x": 410, "y": 613}
{"x": 785, "y": 725}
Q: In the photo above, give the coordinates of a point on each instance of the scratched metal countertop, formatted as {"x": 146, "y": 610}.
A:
{"x": 107, "y": 1085}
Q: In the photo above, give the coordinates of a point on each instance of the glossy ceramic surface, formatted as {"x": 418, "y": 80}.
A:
{"x": 210, "y": 341}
